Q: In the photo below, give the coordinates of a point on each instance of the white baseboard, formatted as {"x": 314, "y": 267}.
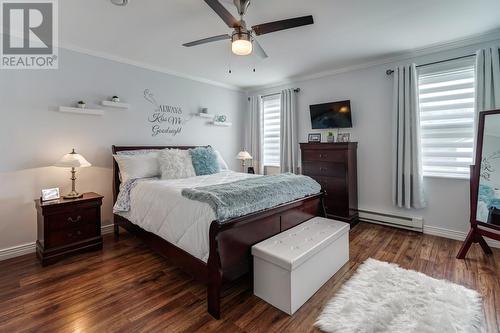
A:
{"x": 19, "y": 250}
{"x": 107, "y": 229}
{"x": 453, "y": 234}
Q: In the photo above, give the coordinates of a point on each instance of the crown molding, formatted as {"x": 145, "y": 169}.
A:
{"x": 143, "y": 65}
{"x": 419, "y": 52}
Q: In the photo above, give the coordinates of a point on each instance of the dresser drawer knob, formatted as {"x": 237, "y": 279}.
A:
{"x": 323, "y": 155}
{"x": 323, "y": 169}
{"x": 78, "y": 219}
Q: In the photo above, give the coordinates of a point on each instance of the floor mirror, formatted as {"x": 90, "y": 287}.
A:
{"x": 485, "y": 185}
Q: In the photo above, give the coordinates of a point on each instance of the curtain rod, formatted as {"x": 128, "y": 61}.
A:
{"x": 390, "y": 71}
{"x": 274, "y": 94}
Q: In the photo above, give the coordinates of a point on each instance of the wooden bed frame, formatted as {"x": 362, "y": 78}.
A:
{"x": 230, "y": 242}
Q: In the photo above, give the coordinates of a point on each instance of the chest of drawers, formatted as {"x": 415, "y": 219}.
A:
{"x": 334, "y": 166}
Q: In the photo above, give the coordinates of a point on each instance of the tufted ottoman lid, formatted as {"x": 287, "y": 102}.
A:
{"x": 294, "y": 246}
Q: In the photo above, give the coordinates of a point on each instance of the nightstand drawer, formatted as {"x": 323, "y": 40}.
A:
{"x": 70, "y": 219}
{"x": 72, "y": 235}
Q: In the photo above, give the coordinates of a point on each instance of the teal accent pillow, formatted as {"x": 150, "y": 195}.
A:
{"x": 205, "y": 161}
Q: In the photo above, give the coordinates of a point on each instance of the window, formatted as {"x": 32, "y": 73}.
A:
{"x": 271, "y": 130}
{"x": 446, "y": 98}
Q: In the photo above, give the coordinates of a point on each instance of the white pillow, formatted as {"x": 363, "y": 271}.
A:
{"x": 222, "y": 163}
{"x": 138, "y": 166}
{"x": 175, "y": 164}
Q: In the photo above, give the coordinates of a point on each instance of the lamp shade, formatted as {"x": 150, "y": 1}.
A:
{"x": 72, "y": 160}
{"x": 243, "y": 155}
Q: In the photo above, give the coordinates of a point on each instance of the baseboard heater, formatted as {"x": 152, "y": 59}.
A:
{"x": 404, "y": 222}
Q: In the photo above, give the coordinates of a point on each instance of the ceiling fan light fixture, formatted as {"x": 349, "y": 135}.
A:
{"x": 119, "y": 2}
{"x": 241, "y": 43}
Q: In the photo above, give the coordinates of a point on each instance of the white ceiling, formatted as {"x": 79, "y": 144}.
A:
{"x": 345, "y": 33}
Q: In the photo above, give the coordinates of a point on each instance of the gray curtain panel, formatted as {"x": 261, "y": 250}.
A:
{"x": 288, "y": 132}
{"x": 252, "y": 131}
{"x": 488, "y": 79}
{"x": 407, "y": 186}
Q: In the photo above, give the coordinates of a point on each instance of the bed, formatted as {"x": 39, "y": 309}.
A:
{"x": 221, "y": 253}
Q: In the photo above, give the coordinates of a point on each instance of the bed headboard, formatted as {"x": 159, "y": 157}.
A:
{"x": 116, "y": 169}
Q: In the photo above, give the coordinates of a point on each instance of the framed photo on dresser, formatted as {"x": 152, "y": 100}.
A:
{"x": 343, "y": 137}
{"x": 314, "y": 138}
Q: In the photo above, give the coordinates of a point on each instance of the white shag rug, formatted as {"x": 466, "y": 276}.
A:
{"x": 383, "y": 297}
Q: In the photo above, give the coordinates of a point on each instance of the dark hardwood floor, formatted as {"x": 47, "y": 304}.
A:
{"x": 128, "y": 288}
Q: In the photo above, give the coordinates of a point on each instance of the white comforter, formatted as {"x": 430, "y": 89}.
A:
{"x": 159, "y": 207}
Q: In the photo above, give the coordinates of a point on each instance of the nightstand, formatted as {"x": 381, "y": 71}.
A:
{"x": 68, "y": 226}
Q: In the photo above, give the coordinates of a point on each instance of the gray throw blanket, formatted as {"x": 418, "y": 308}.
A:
{"x": 254, "y": 194}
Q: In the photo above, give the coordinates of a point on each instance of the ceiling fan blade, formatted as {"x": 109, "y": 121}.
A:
{"x": 259, "y": 51}
{"x": 266, "y": 28}
{"x": 207, "y": 40}
{"x": 224, "y": 14}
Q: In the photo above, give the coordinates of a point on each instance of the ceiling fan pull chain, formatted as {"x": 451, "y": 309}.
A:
{"x": 229, "y": 61}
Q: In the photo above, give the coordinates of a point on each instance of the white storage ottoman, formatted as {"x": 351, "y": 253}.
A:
{"x": 290, "y": 267}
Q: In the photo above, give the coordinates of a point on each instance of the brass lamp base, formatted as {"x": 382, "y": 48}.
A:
{"x": 73, "y": 195}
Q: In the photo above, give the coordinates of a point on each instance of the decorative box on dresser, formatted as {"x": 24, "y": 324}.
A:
{"x": 68, "y": 226}
{"x": 334, "y": 166}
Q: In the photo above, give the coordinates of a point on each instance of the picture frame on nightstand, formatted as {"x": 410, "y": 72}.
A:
{"x": 49, "y": 194}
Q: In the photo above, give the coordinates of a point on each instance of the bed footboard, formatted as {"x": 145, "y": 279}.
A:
{"x": 230, "y": 243}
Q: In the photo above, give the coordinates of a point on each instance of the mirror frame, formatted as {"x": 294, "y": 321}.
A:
{"x": 478, "y": 229}
{"x": 476, "y": 173}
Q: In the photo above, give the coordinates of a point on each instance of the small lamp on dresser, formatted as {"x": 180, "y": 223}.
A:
{"x": 73, "y": 160}
{"x": 243, "y": 156}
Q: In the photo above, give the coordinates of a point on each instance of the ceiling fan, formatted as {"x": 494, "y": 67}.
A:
{"x": 243, "y": 40}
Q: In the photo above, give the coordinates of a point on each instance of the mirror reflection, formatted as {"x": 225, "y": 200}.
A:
{"x": 488, "y": 205}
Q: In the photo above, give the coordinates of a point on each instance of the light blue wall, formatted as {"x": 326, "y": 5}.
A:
{"x": 33, "y": 136}
{"x": 371, "y": 93}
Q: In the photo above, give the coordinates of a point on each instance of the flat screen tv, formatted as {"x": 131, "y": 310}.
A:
{"x": 331, "y": 115}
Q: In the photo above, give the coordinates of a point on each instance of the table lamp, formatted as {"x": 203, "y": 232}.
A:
{"x": 243, "y": 156}
{"x": 73, "y": 160}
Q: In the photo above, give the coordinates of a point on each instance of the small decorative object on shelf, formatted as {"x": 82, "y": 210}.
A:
{"x": 67, "y": 227}
{"x": 220, "y": 118}
{"x": 314, "y": 138}
{"x": 330, "y": 138}
{"x": 49, "y": 194}
{"x": 115, "y": 99}
{"x": 343, "y": 137}
{"x": 204, "y": 110}
{"x": 243, "y": 156}
{"x": 73, "y": 160}
{"x": 81, "y": 104}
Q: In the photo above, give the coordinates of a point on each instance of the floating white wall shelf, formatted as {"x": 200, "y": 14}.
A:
{"x": 94, "y": 112}
{"x": 205, "y": 115}
{"x": 222, "y": 124}
{"x": 118, "y": 105}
